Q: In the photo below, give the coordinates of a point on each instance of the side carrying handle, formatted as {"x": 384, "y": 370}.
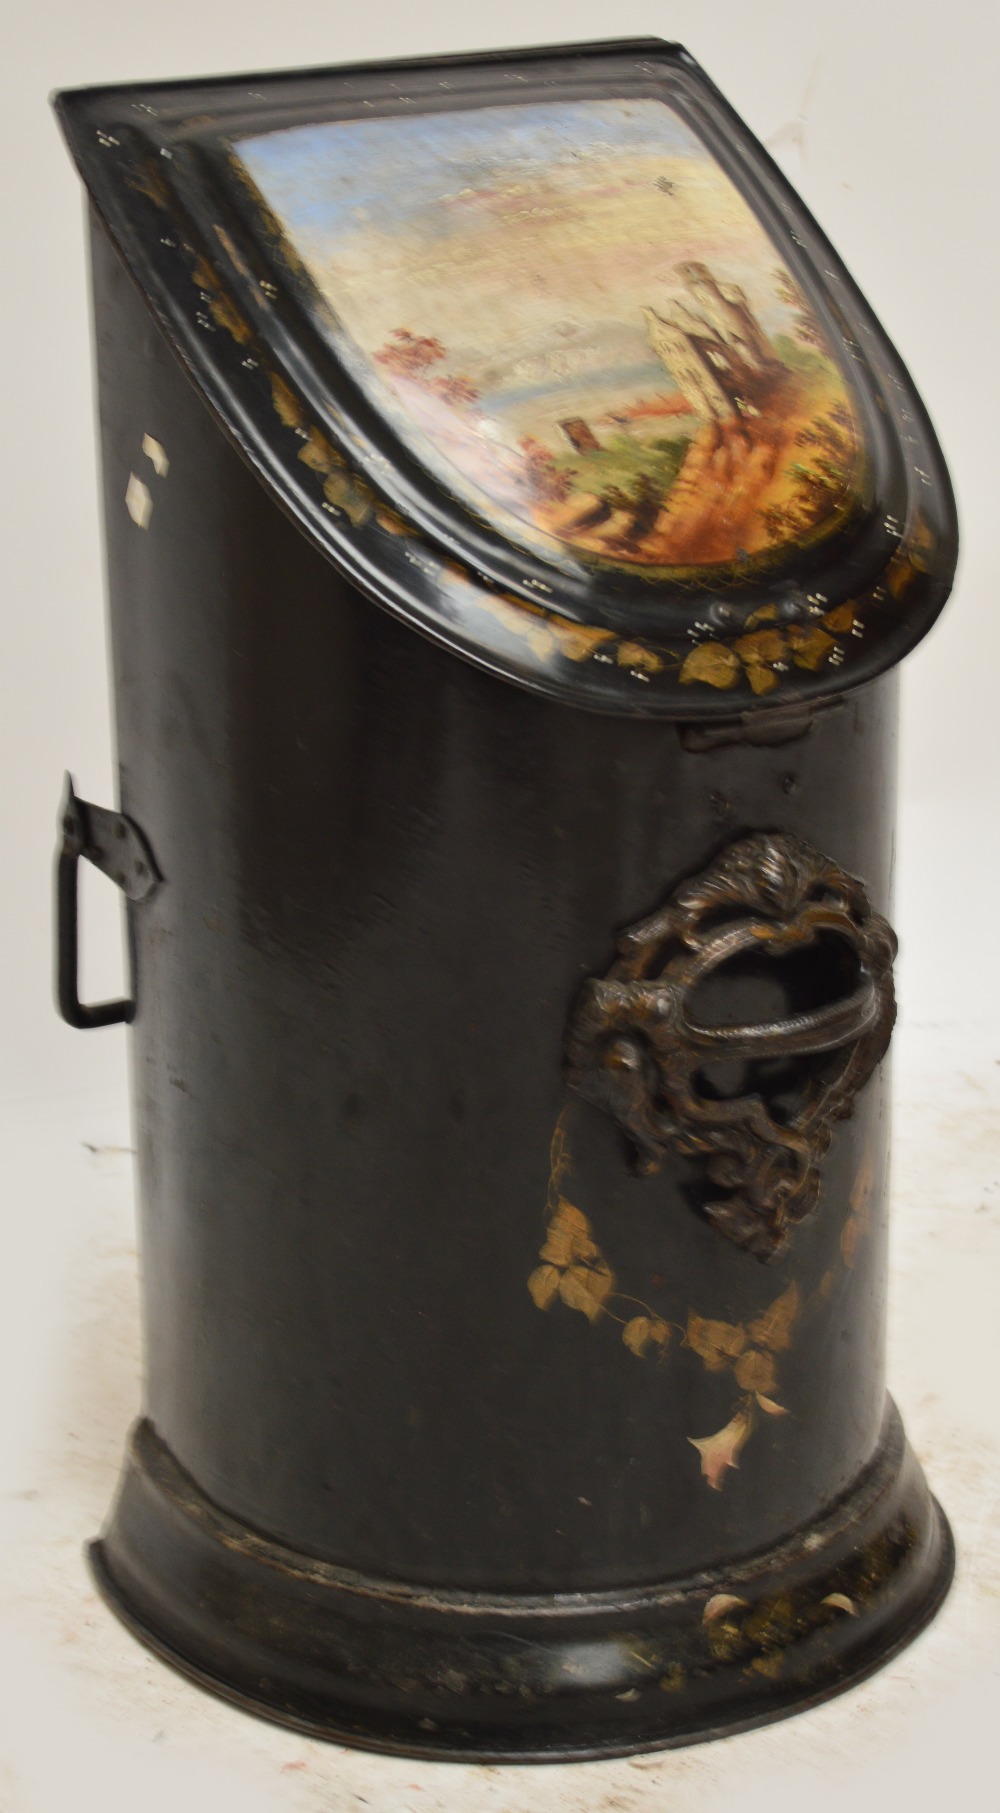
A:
{"x": 117, "y": 847}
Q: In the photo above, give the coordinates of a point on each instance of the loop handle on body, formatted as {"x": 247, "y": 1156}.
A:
{"x": 117, "y": 847}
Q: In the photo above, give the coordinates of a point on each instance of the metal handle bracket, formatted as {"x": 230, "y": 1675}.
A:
{"x": 634, "y": 1049}
{"x": 118, "y": 848}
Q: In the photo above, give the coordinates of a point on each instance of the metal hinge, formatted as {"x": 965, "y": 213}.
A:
{"x": 767, "y": 726}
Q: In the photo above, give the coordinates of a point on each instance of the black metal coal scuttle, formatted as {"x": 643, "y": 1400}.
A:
{"x": 514, "y": 518}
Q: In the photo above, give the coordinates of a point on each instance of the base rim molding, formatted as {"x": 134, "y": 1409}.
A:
{"x": 473, "y": 1677}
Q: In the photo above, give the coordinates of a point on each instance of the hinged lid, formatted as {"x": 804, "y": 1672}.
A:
{"x": 542, "y": 350}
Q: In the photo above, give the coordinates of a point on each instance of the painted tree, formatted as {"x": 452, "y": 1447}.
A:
{"x": 548, "y": 483}
{"x": 821, "y": 477}
{"x": 805, "y": 326}
{"x": 410, "y": 355}
{"x": 414, "y": 356}
{"x": 455, "y": 390}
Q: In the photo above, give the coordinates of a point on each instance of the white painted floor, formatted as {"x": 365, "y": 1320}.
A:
{"x": 90, "y": 1720}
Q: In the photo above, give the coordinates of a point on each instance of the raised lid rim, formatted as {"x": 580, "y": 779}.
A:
{"x": 152, "y": 165}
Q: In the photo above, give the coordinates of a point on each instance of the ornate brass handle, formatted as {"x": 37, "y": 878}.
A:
{"x": 634, "y": 1049}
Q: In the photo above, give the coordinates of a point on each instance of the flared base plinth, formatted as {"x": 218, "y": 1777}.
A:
{"x": 517, "y": 1678}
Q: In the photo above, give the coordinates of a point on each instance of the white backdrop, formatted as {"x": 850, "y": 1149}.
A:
{"x": 884, "y": 115}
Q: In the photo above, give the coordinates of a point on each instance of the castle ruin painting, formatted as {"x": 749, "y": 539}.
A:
{"x": 573, "y": 318}
{"x": 718, "y": 357}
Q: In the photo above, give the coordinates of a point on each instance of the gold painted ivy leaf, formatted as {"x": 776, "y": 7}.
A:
{"x": 713, "y": 663}
{"x": 861, "y": 1188}
{"x": 636, "y": 654}
{"x": 900, "y": 573}
{"x": 850, "y": 1234}
{"x": 559, "y": 1155}
{"x": 766, "y": 613}
{"x": 717, "y": 1343}
{"x": 573, "y": 1267}
{"x": 722, "y": 1449}
{"x": 809, "y": 647}
{"x": 755, "y": 1371}
{"x": 569, "y": 1236}
{"x": 544, "y": 1285}
{"x": 758, "y": 651}
{"x": 286, "y": 404}
{"x": 635, "y": 1335}
{"x": 519, "y": 619}
{"x": 840, "y": 619}
{"x": 576, "y": 640}
{"x": 351, "y": 495}
{"x": 763, "y": 645}
{"x": 644, "y": 1332}
{"x": 858, "y": 1220}
{"x": 762, "y": 679}
{"x": 921, "y": 543}
{"x": 391, "y": 521}
{"x": 773, "y": 1329}
{"x": 317, "y": 453}
{"x": 585, "y": 1287}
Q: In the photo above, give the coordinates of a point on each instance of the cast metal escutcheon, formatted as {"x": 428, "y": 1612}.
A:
{"x": 635, "y": 1050}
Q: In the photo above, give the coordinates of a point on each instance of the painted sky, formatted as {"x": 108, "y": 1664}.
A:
{"x": 525, "y": 238}
{"x": 329, "y": 177}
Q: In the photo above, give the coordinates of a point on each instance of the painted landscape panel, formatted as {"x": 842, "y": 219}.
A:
{"x": 576, "y": 322}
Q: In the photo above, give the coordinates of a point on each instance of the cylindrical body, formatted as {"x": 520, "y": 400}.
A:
{"x": 515, "y": 518}
{"x": 386, "y": 876}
